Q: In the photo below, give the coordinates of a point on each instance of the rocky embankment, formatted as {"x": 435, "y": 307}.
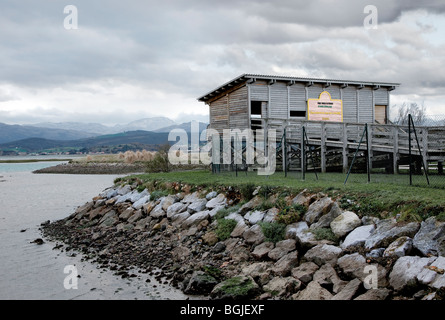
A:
{"x": 176, "y": 238}
{"x": 94, "y": 168}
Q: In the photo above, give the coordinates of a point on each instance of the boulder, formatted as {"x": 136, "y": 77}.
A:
{"x": 357, "y": 237}
{"x": 328, "y": 278}
{"x": 180, "y": 218}
{"x": 430, "y": 239}
{"x": 200, "y": 283}
{"x": 195, "y": 219}
{"x": 197, "y": 206}
{"x": 403, "y": 276}
{"x": 236, "y": 288}
{"x": 279, "y": 286}
{"x": 254, "y": 216}
{"x": 261, "y": 251}
{"x": 317, "y": 209}
{"x": 345, "y": 223}
{"x": 286, "y": 263}
{"x": 254, "y": 235}
{"x": 313, "y": 291}
{"x": 270, "y": 215}
{"x": 109, "y": 219}
{"x": 176, "y": 208}
{"x": 191, "y": 197}
{"x": 305, "y": 271}
{"x": 388, "y": 230}
{"x": 434, "y": 274}
{"x": 302, "y": 234}
{"x": 253, "y": 203}
{"x": 141, "y": 202}
{"x": 348, "y": 290}
{"x": 259, "y": 271}
{"x": 126, "y": 214}
{"x": 323, "y": 253}
{"x": 218, "y": 201}
{"x": 374, "y": 294}
{"x": 234, "y": 216}
{"x": 210, "y": 238}
{"x": 400, "y": 247}
{"x": 353, "y": 266}
{"x": 135, "y": 216}
{"x": 168, "y": 201}
{"x": 211, "y": 195}
{"x": 123, "y": 189}
{"x": 239, "y": 229}
{"x": 157, "y": 212}
{"x": 301, "y": 199}
{"x": 126, "y": 196}
{"x": 240, "y": 254}
{"x": 325, "y": 221}
{"x": 136, "y": 196}
{"x": 282, "y": 248}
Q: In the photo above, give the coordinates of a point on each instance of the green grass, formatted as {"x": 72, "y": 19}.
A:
{"x": 384, "y": 196}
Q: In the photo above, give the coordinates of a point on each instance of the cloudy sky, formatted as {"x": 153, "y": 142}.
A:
{"x": 139, "y": 58}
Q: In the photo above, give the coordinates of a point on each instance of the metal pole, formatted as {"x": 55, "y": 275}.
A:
{"x": 355, "y": 154}
{"x": 284, "y": 146}
{"x": 303, "y": 154}
{"x": 409, "y": 151}
{"x": 367, "y": 154}
{"x": 420, "y": 153}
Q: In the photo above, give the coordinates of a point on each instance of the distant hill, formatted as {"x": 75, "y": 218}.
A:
{"x": 10, "y": 133}
{"x": 185, "y": 126}
{"x": 141, "y": 139}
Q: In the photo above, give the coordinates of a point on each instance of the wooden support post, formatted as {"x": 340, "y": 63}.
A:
{"x": 323, "y": 147}
{"x": 369, "y": 142}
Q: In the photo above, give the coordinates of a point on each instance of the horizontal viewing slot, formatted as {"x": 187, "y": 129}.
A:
{"x": 297, "y": 114}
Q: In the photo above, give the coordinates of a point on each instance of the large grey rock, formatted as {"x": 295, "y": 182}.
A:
{"x": 388, "y": 230}
{"x": 301, "y": 232}
{"x": 280, "y": 286}
{"x": 345, "y": 223}
{"x": 157, "y": 212}
{"x": 138, "y": 195}
{"x": 348, "y": 290}
{"x": 352, "y": 265}
{"x": 211, "y": 195}
{"x": 123, "y": 189}
{"x": 126, "y": 196}
{"x": 138, "y": 204}
{"x": 197, "y": 206}
{"x": 239, "y": 229}
{"x": 259, "y": 271}
{"x": 317, "y": 209}
{"x": 305, "y": 271}
{"x": 357, "y": 237}
{"x": 313, "y": 291}
{"x": 430, "y": 239}
{"x": 254, "y": 216}
{"x": 301, "y": 198}
{"x": 168, "y": 201}
{"x": 179, "y": 218}
{"x": 434, "y": 274}
{"x": 400, "y": 247}
{"x": 327, "y": 277}
{"x": 109, "y": 219}
{"x": 195, "y": 219}
{"x": 126, "y": 214}
{"x": 286, "y": 263}
{"x": 262, "y": 250}
{"x": 323, "y": 253}
{"x": 325, "y": 221}
{"x": 282, "y": 248}
{"x": 254, "y": 235}
{"x": 191, "y": 197}
{"x": 175, "y": 209}
{"x": 254, "y": 202}
{"x": 405, "y": 271}
{"x": 218, "y": 201}
{"x": 135, "y": 216}
{"x": 271, "y": 215}
{"x": 374, "y": 294}
{"x": 234, "y": 216}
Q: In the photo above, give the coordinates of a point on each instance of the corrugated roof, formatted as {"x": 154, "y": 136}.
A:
{"x": 247, "y": 76}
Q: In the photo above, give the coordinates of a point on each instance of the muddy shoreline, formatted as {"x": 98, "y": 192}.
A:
{"x": 94, "y": 168}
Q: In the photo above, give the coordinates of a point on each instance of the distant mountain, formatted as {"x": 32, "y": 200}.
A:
{"x": 94, "y": 128}
{"x": 10, "y": 133}
{"x": 146, "y": 124}
{"x": 187, "y": 126}
{"x": 142, "y": 139}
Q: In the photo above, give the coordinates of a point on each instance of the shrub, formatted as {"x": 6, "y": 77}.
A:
{"x": 290, "y": 214}
{"x": 273, "y": 231}
{"x": 225, "y": 228}
{"x": 325, "y": 234}
{"x": 155, "y": 195}
{"x": 247, "y": 190}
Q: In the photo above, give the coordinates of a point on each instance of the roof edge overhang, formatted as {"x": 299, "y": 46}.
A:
{"x": 253, "y": 77}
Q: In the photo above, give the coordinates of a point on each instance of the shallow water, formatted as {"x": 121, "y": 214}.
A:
{"x": 32, "y": 271}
